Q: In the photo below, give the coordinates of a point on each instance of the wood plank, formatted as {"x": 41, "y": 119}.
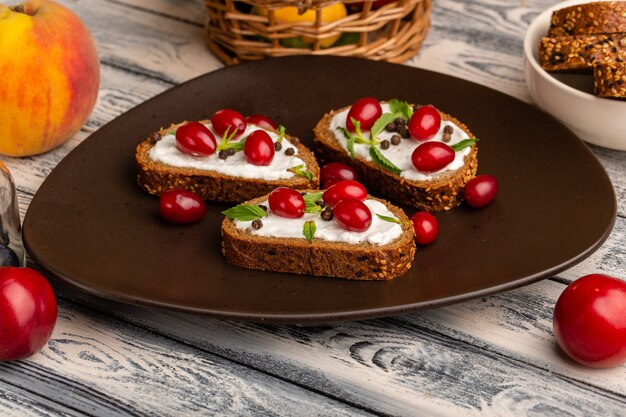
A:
{"x": 148, "y": 43}
{"x": 16, "y": 402}
{"x": 100, "y": 366}
{"x": 191, "y": 11}
{"x": 391, "y": 366}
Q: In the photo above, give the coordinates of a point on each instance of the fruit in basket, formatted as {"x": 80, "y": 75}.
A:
{"x": 50, "y": 75}
{"x": 290, "y": 14}
{"x": 28, "y": 312}
{"x": 590, "y": 321}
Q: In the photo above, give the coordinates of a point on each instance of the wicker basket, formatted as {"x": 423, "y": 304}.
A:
{"x": 393, "y": 32}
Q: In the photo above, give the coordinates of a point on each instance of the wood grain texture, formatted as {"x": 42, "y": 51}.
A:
{"x": 412, "y": 364}
{"x": 18, "y": 402}
{"x": 103, "y": 367}
{"x": 493, "y": 356}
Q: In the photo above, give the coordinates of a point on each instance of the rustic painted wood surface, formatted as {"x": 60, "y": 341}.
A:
{"x": 494, "y": 356}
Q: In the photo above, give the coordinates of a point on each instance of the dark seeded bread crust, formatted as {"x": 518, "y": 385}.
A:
{"x": 320, "y": 257}
{"x": 589, "y": 18}
{"x": 610, "y": 80}
{"x": 156, "y": 177}
{"x": 583, "y": 52}
{"x": 442, "y": 193}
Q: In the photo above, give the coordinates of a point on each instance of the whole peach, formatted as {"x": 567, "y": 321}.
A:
{"x": 50, "y": 76}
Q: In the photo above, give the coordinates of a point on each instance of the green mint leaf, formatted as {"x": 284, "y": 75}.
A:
{"x": 401, "y": 107}
{"x": 465, "y": 143}
{"x": 245, "y": 212}
{"x": 236, "y": 146}
{"x": 380, "y": 159}
{"x": 380, "y": 124}
{"x": 388, "y": 219}
{"x": 359, "y": 135}
{"x": 350, "y": 139}
{"x": 301, "y": 172}
{"x": 281, "y": 133}
{"x": 310, "y": 199}
{"x": 309, "y": 230}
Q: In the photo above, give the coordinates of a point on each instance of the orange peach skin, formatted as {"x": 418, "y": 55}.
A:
{"x": 49, "y": 76}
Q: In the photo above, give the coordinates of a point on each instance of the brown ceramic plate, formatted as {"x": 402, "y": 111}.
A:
{"x": 90, "y": 224}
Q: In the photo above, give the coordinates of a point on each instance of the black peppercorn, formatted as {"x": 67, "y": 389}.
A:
{"x": 390, "y": 127}
{"x": 290, "y": 151}
{"x": 327, "y": 214}
{"x": 404, "y": 132}
{"x": 278, "y": 146}
{"x": 262, "y": 207}
{"x": 223, "y": 154}
{"x": 396, "y": 139}
{"x": 384, "y": 144}
{"x": 257, "y": 224}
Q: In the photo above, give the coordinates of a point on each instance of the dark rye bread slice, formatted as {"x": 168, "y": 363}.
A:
{"x": 156, "y": 177}
{"x": 589, "y": 18}
{"x": 583, "y": 52}
{"x": 443, "y": 192}
{"x": 609, "y": 80}
{"x": 320, "y": 257}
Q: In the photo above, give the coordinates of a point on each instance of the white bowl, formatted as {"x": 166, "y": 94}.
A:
{"x": 596, "y": 120}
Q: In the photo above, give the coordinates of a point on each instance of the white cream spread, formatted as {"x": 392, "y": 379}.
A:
{"x": 400, "y": 155}
{"x": 165, "y": 151}
{"x": 380, "y": 232}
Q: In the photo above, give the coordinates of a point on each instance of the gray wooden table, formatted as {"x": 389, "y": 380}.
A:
{"x": 493, "y": 356}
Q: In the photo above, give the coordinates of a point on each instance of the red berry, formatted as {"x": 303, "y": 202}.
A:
{"x": 334, "y": 172}
{"x": 590, "y": 321}
{"x": 481, "y": 190}
{"x": 28, "y": 312}
{"x": 195, "y": 139}
{"x": 344, "y": 189}
{"x": 259, "y": 148}
{"x": 261, "y": 121}
{"x": 425, "y": 122}
{"x": 286, "y": 202}
{"x": 181, "y": 206}
{"x": 227, "y": 119}
{"x": 432, "y": 156}
{"x": 426, "y": 227}
{"x": 366, "y": 110}
{"x": 352, "y": 214}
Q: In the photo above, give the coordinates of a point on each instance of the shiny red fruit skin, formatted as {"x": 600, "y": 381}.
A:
{"x": 334, "y": 172}
{"x": 353, "y": 215}
{"x": 181, "y": 206}
{"x": 480, "y": 190}
{"x": 590, "y": 321}
{"x": 426, "y": 227}
{"x": 366, "y": 110}
{"x": 425, "y": 123}
{"x": 259, "y": 148}
{"x": 344, "y": 189}
{"x": 28, "y": 312}
{"x": 196, "y": 139}
{"x": 225, "y": 118}
{"x": 287, "y": 202}
{"x": 261, "y": 121}
{"x": 432, "y": 156}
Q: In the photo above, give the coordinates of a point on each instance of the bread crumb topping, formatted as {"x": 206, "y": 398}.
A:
{"x": 400, "y": 155}
{"x": 166, "y": 151}
{"x": 380, "y": 232}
